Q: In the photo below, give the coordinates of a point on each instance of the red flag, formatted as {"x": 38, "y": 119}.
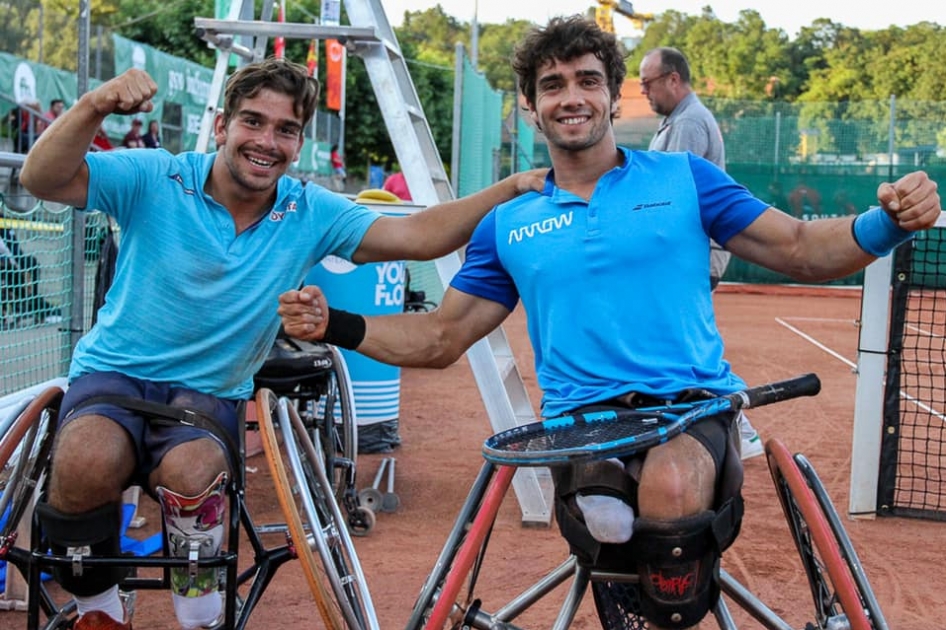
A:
{"x": 279, "y": 43}
{"x": 312, "y": 58}
{"x": 334, "y": 70}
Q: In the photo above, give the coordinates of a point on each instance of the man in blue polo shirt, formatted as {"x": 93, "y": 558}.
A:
{"x": 610, "y": 261}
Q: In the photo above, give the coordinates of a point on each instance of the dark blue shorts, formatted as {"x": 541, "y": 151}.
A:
{"x": 151, "y": 442}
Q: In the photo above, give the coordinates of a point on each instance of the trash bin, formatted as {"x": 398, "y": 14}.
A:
{"x": 369, "y": 289}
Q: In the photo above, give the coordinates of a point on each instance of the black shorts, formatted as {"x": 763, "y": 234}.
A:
{"x": 151, "y": 441}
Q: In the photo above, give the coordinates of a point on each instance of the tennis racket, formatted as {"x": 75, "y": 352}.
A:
{"x": 622, "y": 432}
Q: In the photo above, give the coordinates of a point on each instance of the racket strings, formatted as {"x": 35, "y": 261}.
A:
{"x": 584, "y": 431}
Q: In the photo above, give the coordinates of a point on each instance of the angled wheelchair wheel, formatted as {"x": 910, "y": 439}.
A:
{"x": 447, "y": 599}
{"x": 25, "y": 452}
{"x": 337, "y": 427}
{"x": 286, "y": 493}
{"x": 309, "y": 505}
{"x": 24, "y": 457}
{"x": 838, "y": 601}
{"x": 864, "y": 589}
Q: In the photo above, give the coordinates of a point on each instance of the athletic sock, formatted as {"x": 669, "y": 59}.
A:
{"x": 107, "y": 602}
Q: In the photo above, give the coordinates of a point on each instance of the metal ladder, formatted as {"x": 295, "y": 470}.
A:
{"x": 371, "y": 38}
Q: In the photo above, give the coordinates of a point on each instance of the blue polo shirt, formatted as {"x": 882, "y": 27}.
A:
{"x": 616, "y": 289}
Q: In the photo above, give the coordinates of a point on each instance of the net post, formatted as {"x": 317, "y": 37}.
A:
{"x": 869, "y": 392}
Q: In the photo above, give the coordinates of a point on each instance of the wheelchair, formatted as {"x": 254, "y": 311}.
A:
{"x": 313, "y": 377}
{"x": 314, "y": 524}
{"x": 841, "y": 596}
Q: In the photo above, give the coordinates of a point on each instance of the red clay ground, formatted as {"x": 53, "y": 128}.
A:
{"x": 443, "y": 424}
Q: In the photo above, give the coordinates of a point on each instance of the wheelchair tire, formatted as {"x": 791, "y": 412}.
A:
{"x": 323, "y": 526}
{"x": 834, "y": 590}
{"x": 447, "y": 592}
{"x": 24, "y": 456}
{"x": 339, "y": 437}
{"x": 287, "y": 496}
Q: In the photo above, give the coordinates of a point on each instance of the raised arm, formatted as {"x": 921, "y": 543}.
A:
{"x": 55, "y": 168}
{"x": 434, "y": 339}
{"x": 443, "y": 228}
{"x": 824, "y": 249}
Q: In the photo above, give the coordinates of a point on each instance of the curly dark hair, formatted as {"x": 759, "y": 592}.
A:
{"x": 278, "y": 75}
{"x": 564, "y": 39}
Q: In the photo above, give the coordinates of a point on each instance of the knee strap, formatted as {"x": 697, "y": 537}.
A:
{"x": 195, "y": 529}
{"x": 92, "y": 533}
{"x": 597, "y": 477}
{"x": 678, "y": 565}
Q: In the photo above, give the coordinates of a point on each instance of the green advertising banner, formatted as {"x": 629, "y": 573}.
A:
{"x": 181, "y": 82}
{"x": 314, "y": 158}
{"x": 34, "y": 83}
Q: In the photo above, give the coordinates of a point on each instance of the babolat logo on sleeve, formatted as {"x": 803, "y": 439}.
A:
{"x": 540, "y": 227}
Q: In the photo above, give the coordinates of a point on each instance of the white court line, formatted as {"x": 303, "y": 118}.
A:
{"x": 853, "y": 365}
{"x": 819, "y": 319}
{"x": 923, "y": 331}
{"x": 814, "y": 341}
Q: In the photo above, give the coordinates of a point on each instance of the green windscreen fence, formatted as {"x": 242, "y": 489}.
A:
{"x": 480, "y": 132}
{"x": 816, "y": 160}
{"x": 479, "y": 153}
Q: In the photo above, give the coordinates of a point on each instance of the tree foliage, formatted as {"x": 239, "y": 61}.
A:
{"x": 825, "y": 63}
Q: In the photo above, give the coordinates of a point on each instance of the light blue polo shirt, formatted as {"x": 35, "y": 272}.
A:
{"x": 192, "y": 303}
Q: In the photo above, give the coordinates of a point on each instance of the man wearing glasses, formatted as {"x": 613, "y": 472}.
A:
{"x": 689, "y": 126}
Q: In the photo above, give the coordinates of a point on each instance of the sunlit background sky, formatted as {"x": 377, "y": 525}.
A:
{"x": 789, "y": 15}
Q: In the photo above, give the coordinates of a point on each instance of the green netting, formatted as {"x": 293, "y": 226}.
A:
{"x": 36, "y": 282}
{"x": 480, "y": 142}
{"x": 525, "y": 140}
{"x": 480, "y": 132}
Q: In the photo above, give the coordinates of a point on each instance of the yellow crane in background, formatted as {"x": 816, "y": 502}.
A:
{"x": 604, "y": 14}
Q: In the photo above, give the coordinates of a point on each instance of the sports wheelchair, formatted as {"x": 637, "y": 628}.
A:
{"x": 841, "y": 594}
{"x": 314, "y": 378}
{"x": 303, "y": 452}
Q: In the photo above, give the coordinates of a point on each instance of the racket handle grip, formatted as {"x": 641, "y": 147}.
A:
{"x": 804, "y": 385}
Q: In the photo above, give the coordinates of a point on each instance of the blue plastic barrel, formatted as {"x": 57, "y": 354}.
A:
{"x": 369, "y": 289}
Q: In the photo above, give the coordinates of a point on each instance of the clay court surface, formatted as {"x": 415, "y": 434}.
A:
{"x": 443, "y": 423}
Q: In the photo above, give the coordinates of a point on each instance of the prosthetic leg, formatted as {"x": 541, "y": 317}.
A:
{"x": 195, "y": 529}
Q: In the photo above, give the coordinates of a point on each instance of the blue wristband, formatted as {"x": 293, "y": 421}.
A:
{"x": 876, "y": 233}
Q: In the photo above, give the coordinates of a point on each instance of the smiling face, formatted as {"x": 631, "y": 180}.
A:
{"x": 259, "y": 141}
{"x": 573, "y": 103}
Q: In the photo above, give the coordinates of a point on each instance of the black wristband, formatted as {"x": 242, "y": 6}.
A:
{"x": 345, "y": 330}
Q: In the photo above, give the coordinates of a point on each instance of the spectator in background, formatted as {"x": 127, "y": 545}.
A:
{"x": 101, "y": 140}
{"x": 689, "y": 126}
{"x": 339, "y": 174}
{"x": 26, "y": 115}
{"x": 152, "y": 139}
{"x": 132, "y": 139}
{"x": 396, "y": 184}
{"x": 20, "y": 281}
{"x": 56, "y": 107}
{"x": 805, "y": 202}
